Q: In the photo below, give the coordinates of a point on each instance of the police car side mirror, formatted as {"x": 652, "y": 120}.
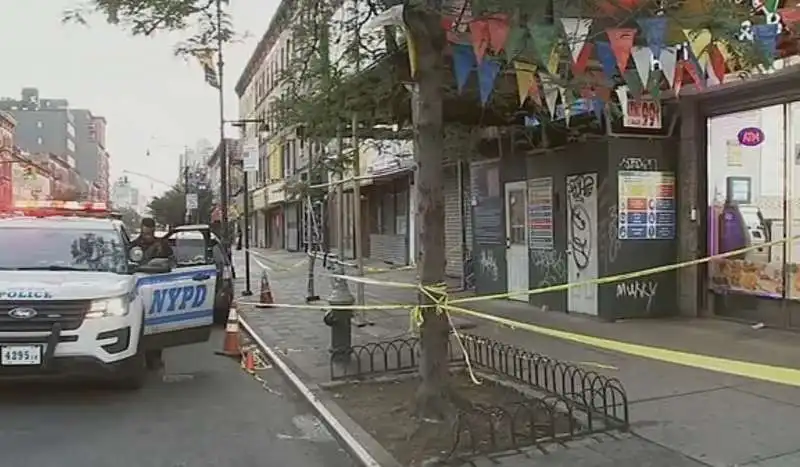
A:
{"x": 136, "y": 254}
{"x": 155, "y": 266}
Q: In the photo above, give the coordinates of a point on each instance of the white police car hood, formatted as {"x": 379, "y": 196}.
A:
{"x": 61, "y": 285}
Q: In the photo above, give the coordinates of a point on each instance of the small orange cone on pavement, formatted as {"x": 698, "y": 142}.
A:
{"x": 230, "y": 347}
{"x": 265, "y": 297}
{"x": 250, "y": 362}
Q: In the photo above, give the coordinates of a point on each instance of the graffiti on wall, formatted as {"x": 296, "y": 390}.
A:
{"x": 641, "y": 291}
{"x": 579, "y": 188}
{"x": 608, "y": 223}
{"x": 552, "y": 266}
{"x": 487, "y": 265}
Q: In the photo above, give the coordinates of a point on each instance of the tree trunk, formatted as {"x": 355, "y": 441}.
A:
{"x": 424, "y": 26}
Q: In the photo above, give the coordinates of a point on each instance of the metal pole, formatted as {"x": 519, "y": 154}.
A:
{"x": 247, "y": 292}
{"x": 223, "y": 152}
{"x": 188, "y": 214}
{"x": 340, "y": 209}
{"x": 357, "y": 210}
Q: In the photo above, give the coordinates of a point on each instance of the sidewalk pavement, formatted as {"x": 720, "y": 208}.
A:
{"x": 714, "y": 418}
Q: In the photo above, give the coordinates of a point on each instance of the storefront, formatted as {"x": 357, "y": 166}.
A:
{"x": 752, "y": 199}
{"x": 276, "y": 196}
{"x": 292, "y": 227}
{"x": 257, "y": 231}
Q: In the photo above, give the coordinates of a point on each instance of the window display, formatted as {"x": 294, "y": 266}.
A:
{"x": 746, "y": 176}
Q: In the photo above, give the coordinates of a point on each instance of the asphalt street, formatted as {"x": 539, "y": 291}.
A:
{"x": 202, "y": 411}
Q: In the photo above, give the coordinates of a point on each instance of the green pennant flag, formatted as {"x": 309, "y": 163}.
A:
{"x": 654, "y": 85}
{"x": 516, "y": 42}
{"x": 544, "y": 38}
{"x": 771, "y": 5}
{"x": 634, "y": 83}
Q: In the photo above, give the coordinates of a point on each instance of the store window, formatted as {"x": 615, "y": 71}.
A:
{"x": 389, "y": 209}
{"x": 750, "y": 176}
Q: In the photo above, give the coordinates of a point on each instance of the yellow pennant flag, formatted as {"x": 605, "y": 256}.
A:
{"x": 553, "y": 60}
{"x": 526, "y": 79}
{"x": 412, "y": 54}
{"x": 699, "y": 42}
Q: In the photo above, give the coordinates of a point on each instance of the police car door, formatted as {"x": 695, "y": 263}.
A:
{"x": 179, "y": 305}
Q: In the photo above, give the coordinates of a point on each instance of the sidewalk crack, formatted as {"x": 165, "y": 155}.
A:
{"x": 683, "y": 394}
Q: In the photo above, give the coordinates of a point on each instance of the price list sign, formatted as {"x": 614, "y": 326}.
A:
{"x": 540, "y": 213}
{"x": 646, "y": 205}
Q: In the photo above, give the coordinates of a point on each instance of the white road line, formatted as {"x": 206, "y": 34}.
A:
{"x": 260, "y": 264}
{"x": 358, "y": 450}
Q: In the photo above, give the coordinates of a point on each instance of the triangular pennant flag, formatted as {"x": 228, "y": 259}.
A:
{"x": 526, "y": 80}
{"x": 479, "y": 31}
{"x": 789, "y": 15}
{"x": 550, "y": 96}
{"x": 544, "y": 38}
{"x": 515, "y": 44}
{"x": 463, "y": 64}
{"x": 699, "y": 42}
{"x": 553, "y": 60}
{"x": 766, "y": 35}
{"x": 498, "y": 31}
{"x": 771, "y": 5}
{"x": 583, "y": 59}
{"x": 669, "y": 63}
{"x": 716, "y": 64}
{"x": 622, "y": 96}
{"x": 655, "y": 30}
{"x": 643, "y": 59}
{"x": 634, "y": 83}
{"x": 487, "y": 73}
{"x": 621, "y": 40}
{"x": 577, "y": 30}
{"x": 654, "y": 86}
{"x": 607, "y": 59}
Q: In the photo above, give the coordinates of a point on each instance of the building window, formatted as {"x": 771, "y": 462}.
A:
{"x": 39, "y": 124}
{"x": 39, "y": 141}
{"x": 70, "y": 145}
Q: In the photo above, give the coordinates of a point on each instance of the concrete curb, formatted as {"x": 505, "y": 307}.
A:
{"x": 345, "y": 429}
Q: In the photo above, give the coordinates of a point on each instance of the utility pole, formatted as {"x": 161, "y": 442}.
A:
{"x": 223, "y": 150}
{"x": 188, "y": 215}
{"x": 358, "y": 244}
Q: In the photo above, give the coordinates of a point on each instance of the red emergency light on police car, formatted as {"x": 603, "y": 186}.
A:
{"x": 47, "y": 208}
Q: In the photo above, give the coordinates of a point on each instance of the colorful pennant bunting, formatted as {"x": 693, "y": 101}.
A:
{"x": 526, "y": 81}
{"x": 699, "y": 42}
{"x": 479, "y": 32}
{"x": 621, "y": 40}
{"x": 463, "y": 64}
{"x": 577, "y": 30}
{"x": 488, "y": 70}
{"x": 607, "y": 59}
{"x": 550, "y": 96}
{"x": 655, "y": 31}
{"x": 766, "y": 35}
{"x": 515, "y": 43}
{"x": 498, "y": 31}
{"x": 642, "y": 59}
{"x": 543, "y": 37}
{"x": 669, "y": 64}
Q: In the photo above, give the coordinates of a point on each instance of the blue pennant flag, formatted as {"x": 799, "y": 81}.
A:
{"x": 767, "y": 37}
{"x": 487, "y": 73}
{"x": 655, "y": 31}
{"x": 607, "y": 59}
{"x": 598, "y": 106}
{"x": 463, "y": 63}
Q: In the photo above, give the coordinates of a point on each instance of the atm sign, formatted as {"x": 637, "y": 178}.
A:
{"x": 750, "y": 136}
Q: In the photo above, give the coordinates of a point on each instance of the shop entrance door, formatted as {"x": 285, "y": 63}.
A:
{"x": 517, "y": 240}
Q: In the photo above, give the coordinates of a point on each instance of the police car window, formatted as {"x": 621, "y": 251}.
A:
{"x": 62, "y": 249}
{"x": 189, "y": 249}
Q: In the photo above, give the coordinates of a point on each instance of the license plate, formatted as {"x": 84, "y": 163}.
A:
{"x": 20, "y": 355}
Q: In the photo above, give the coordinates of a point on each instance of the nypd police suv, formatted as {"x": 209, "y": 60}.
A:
{"x": 77, "y": 300}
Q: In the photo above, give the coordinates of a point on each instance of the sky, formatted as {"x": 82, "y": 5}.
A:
{"x": 151, "y": 99}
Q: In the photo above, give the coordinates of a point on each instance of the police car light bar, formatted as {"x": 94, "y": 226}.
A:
{"x": 64, "y": 206}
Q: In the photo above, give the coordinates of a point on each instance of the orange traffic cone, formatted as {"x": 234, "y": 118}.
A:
{"x": 230, "y": 347}
{"x": 250, "y": 362}
{"x": 265, "y": 297}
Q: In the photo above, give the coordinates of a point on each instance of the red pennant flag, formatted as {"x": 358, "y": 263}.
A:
{"x": 498, "y": 31}
{"x": 789, "y": 16}
{"x": 685, "y": 66}
{"x": 449, "y": 25}
{"x": 717, "y": 62}
{"x": 583, "y": 59}
{"x": 621, "y": 40}
{"x": 612, "y": 7}
{"x": 479, "y": 29}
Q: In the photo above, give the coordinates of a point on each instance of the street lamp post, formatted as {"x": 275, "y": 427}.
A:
{"x": 263, "y": 128}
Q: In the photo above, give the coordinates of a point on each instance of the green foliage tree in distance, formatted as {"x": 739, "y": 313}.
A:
{"x": 322, "y": 96}
{"x": 130, "y": 218}
{"x": 169, "y": 208}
